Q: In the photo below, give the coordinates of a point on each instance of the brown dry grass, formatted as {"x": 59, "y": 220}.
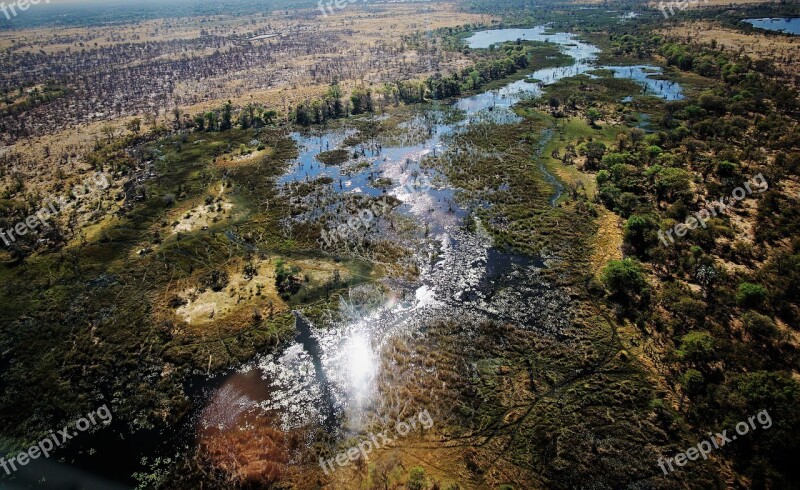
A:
{"x": 782, "y": 50}
{"x": 359, "y": 27}
{"x": 607, "y": 245}
{"x": 238, "y": 302}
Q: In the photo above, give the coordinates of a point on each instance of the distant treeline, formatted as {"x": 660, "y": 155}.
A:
{"x": 93, "y": 12}
{"x": 499, "y": 63}
{"x": 505, "y": 61}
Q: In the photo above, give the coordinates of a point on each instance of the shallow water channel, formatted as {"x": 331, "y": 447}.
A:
{"x": 327, "y": 376}
{"x": 461, "y": 274}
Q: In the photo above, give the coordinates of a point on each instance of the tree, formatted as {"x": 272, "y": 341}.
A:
{"x": 673, "y": 184}
{"x": 109, "y": 131}
{"x": 641, "y": 234}
{"x": 134, "y": 125}
{"x": 592, "y": 115}
{"x": 211, "y": 121}
{"x": 416, "y": 479}
{"x": 334, "y": 97}
{"x": 693, "y": 382}
{"x": 625, "y": 282}
{"x": 593, "y": 151}
{"x": 758, "y": 326}
{"x": 247, "y": 116}
{"x": 303, "y": 114}
{"x": 227, "y": 117}
{"x": 771, "y": 398}
{"x": 286, "y": 280}
{"x": 269, "y": 116}
{"x": 362, "y": 100}
{"x": 698, "y": 348}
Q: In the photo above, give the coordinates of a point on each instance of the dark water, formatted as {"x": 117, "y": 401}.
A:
{"x": 311, "y": 346}
{"x": 107, "y": 457}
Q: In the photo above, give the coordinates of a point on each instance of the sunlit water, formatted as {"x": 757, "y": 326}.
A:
{"x": 329, "y": 373}
{"x": 327, "y": 376}
{"x": 645, "y": 75}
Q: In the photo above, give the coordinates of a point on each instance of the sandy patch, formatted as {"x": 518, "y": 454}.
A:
{"x": 211, "y": 211}
{"x": 248, "y": 285}
{"x": 245, "y": 159}
{"x": 203, "y": 305}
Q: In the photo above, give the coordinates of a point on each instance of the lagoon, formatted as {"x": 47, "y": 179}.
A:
{"x": 789, "y": 25}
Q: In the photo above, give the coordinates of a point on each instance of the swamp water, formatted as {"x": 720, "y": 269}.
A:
{"x": 326, "y": 377}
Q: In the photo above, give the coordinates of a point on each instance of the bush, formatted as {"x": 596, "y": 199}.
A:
{"x": 416, "y": 479}
{"x": 602, "y": 177}
{"x": 759, "y": 326}
{"x": 727, "y": 169}
{"x": 693, "y": 382}
{"x": 697, "y": 348}
{"x": 169, "y": 200}
{"x": 286, "y": 280}
{"x": 751, "y": 295}
{"x": 641, "y": 233}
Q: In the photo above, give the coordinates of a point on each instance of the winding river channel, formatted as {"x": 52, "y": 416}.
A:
{"x": 461, "y": 274}
{"x": 327, "y": 376}
{"x": 329, "y": 373}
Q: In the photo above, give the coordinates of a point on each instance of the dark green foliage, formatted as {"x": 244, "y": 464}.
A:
{"x": 641, "y": 234}
{"x": 593, "y": 151}
{"x": 698, "y": 349}
{"x": 693, "y": 382}
{"x": 759, "y": 326}
{"x": 750, "y": 295}
{"x": 626, "y": 282}
{"x": 286, "y": 279}
{"x": 361, "y": 98}
{"x": 416, "y": 479}
{"x": 775, "y": 443}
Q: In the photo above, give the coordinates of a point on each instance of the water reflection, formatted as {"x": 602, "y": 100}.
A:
{"x": 330, "y": 371}
{"x": 644, "y": 76}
